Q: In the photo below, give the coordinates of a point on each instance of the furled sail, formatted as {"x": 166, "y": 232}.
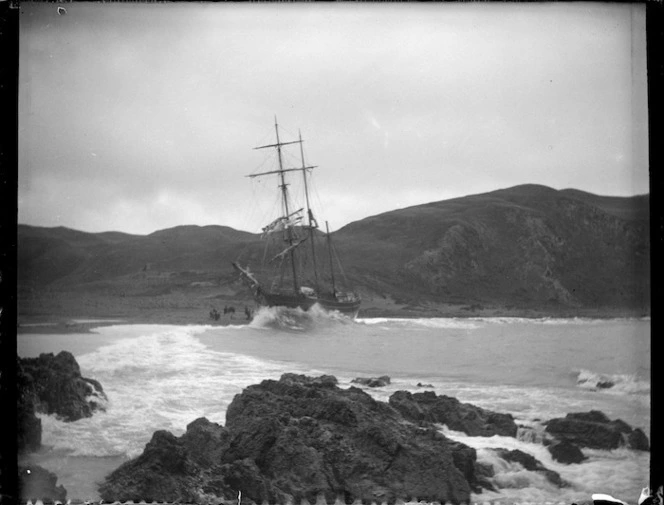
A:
{"x": 283, "y": 222}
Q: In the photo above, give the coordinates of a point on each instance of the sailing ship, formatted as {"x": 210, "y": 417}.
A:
{"x": 300, "y": 277}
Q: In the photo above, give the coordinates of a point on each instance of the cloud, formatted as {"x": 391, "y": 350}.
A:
{"x": 121, "y": 104}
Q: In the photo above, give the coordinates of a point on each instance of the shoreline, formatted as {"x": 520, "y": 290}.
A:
{"x": 62, "y": 325}
{"x": 74, "y": 311}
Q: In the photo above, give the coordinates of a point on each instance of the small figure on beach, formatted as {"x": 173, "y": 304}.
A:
{"x": 214, "y": 315}
{"x": 229, "y": 310}
{"x": 247, "y": 312}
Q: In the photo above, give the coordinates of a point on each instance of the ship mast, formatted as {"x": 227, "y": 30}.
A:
{"x": 284, "y": 195}
{"x": 329, "y": 250}
{"x": 310, "y": 213}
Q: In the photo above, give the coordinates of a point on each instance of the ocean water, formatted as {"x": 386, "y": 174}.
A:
{"x": 165, "y": 376}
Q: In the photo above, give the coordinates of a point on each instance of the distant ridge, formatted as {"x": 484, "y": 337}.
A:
{"x": 527, "y": 246}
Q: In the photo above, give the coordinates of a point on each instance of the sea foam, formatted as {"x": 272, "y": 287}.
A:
{"x": 296, "y": 319}
{"x": 612, "y": 383}
{"x": 595, "y": 475}
{"x": 156, "y": 377}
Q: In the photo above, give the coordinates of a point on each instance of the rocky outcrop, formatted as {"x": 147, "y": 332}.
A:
{"x": 472, "y": 420}
{"x": 35, "y": 482}
{"x": 53, "y": 385}
{"x": 28, "y": 425}
{"x": 301, "y": 438}
{"x": 372, "y": 382}
{"x": 595, "y": 430}
{"x": 532, "y": 464}
{"x": 566, "y": 452}
{"x": 166, "y": 471}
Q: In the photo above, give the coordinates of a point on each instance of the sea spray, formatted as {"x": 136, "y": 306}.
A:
{"x": 598, "y": 474}
{"x": 296, "y": 319}
{"x": 612, "y": 383}
{"x": 155, "y": 377}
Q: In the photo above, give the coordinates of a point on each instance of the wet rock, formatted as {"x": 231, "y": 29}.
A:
{"x": 205, "y": 441}
{"x": 170, "y": 468}
{"x": 420, "y": 385}
{"x": 532, "y": 464}
{"x": 28, "y": 425}
{"x": 372, "y": 382}
{"x": 605, "y": 384}
{"x": 300, "y": 438}
{"x": 37, "y": 483}
{"x": 53, "y": 385}
{"x": 472, "y": 420}
{"x": 638, "y": 440}
{"x": 483, "y": 474}
{"x": 595, "y": 430}
{"x": 566, "y": 452}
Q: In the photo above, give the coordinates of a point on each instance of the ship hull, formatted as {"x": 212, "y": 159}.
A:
{"x": 348, "y": 308}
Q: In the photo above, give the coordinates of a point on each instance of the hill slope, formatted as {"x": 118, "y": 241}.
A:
{"x": 523, "y": 247}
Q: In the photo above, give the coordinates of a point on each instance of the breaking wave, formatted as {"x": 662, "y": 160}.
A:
{"x": 612, "y": 383}
{"x": 154, "y": 377}
{"x": 597, "y": 474}
{"x": 286, "y": 319}
{"x": 430, "y": 323}
{"x": 477, "y": 322}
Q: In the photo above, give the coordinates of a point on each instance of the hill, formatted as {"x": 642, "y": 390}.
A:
{"x": 527, "y": 246}
{"x": 523, "y": 250}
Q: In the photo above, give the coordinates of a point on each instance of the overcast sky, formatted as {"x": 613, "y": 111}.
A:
{"x": 138, "y": 117}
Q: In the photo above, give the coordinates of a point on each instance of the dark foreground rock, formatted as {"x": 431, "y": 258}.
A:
{"x": 595, "y": 430}
{"x": 372, "y": 382}
{"x": 566, "y": 452}
{"x": 28, "y": 425}
{"x": 35, "y": 482}
{"x": 53, "y": 385}
{"x": 301, "y": 438}
{"x": 472, "y": 420}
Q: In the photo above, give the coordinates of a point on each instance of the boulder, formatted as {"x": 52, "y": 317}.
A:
{"x": 300, "y": 438}
{"x": 472, "y": 420}
{"x": 607, "y": 384}
{"x": 53, "y": 385}
{"x": 35, "y": 482}
{"x": 566, "y": 452}
{"x": 372, "y": 382}
{"x": 532, "y": 464}
{"x": 595, "y": 430}
{"x": 638, "y": 440}
{"x": 28, "y": 425}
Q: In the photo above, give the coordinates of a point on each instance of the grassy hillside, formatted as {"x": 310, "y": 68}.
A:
{"x": 524, "y": 246}
{"x": 517, "y": 249}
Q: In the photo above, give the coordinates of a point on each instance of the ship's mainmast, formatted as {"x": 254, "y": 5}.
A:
{"x": 312, "y": 220}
